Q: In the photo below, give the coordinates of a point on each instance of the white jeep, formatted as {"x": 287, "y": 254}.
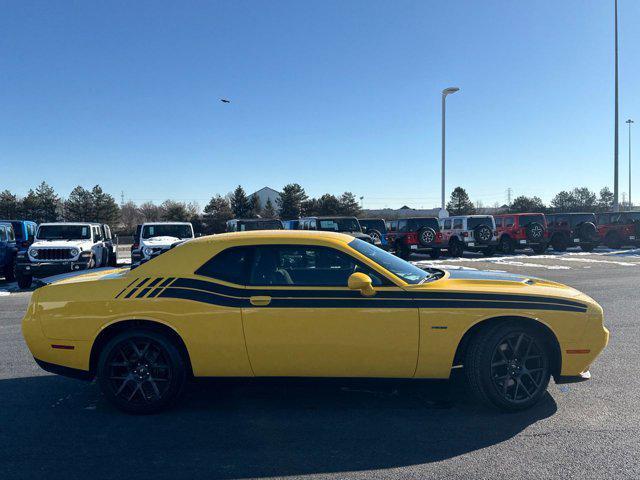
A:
{"x": 476, "y": 233}
{"x": 63, "y": 247}
{"x": 154, "y": 238}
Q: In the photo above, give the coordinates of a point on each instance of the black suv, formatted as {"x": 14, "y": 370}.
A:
{"x": 415, "y": 235}
{"x": 349, "y": 225}
{"x": 250, "y": 224}
{"x": 573, "y": 229}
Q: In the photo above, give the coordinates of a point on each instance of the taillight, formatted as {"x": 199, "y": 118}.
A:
{"x": 411, "y": 238}
{"x": 438, "y": 236}
{"x": 465, "y": 234}
{"x": 135, "y": 246}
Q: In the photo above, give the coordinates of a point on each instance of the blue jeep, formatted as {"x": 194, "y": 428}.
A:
{"x": 25, "y": 231}
{"x": 8, "y": 251}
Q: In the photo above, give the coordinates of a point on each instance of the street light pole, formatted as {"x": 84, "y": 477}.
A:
{"x": 445, "y": 92}
{"x": 616, "y": 205}
{"x": 629, "y": 122}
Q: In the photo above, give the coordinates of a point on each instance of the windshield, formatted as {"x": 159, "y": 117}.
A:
{"x": 404, "y": 270}
{"x": 260, "y": 225}
{"x": 527, "y": 219}
{"x": 64, "y": 232}
{"x": 175, "y": 230}
{"x": 474, "y": 222}
{"x": 338, "y": 224}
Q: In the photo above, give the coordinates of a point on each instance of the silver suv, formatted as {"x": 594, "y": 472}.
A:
{"x": 476, "y": 233}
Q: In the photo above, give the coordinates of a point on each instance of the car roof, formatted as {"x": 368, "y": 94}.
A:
{"x": 166, "y": 223}
{"x": 71, "y": 223}
{"x": 21, "y": 221}
{"x": 275, "y": 234}
{"x": 517, "y": 214}
{"x": 468, "y": 216}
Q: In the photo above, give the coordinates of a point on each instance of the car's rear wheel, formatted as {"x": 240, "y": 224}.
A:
{"x": 456, "y": 249}
{"x": 613, "y": 240}
{"x": 559, "y": 243}
{"x": 434, "y": 253}
{"x": 141, "y": 371}
{"x": 507, "y": 246}
{"x": 375, "y": 235}
{"x": 24, "y": 281}
{"x": 539, "y": 249}
{"x": 403, "y": 251}
{"x": 508, "y": 365}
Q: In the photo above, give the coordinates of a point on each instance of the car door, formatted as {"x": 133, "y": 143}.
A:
{"x": 3, "y": 246}
{"x": 304, "y": 321}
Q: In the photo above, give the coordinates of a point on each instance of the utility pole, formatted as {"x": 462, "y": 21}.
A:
{"x": 445, "y": 92}
{"x": 616, "y": 206}
{"x": 629, "y": 122}
{"x": 121, "y": 198}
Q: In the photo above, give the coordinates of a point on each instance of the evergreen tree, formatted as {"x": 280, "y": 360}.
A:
{"x": 150, "y": 212}
{"x": 255, "y": 209}
{"x": 105, "y": 208}
{"x": 130, "y": 217}
{"x": 9, "y": 205}
{"x": 585, "y": 200}
{"x": 268, "y": 211}
{"x": 309, "y": 207}
{"x": 524, "y": 204}
{"x": 328, "y": 205}
{"x": 216, "y": 214}
{"x": 41, "y": 205}
{"x": 562, "y": 202}
{"x": 605, "y": 200}
{"x": 173, "y": 211}
{"x": 290, "y": 201}
{"x": 460, "y": 204}
{"x": 240, "y": 203}
{"x": 349, "y": 205}
{"x": 79, "y": 206}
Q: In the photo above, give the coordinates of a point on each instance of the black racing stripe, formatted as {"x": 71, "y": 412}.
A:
{"x": 143, "y": 282}
{"x": 155, "y": 293}
{"x": 214, "y": 299}
{"x": 297, "y": 293}
{"x": 131, "y": 292}
{"x": 167, "y": 281}
{"x": 121, "y": 291}
{"x": 154, "y": 282}
{"x": 143, "y": 292}
{"x": 203, "y": 297}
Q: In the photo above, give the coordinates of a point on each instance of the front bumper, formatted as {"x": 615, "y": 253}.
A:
{"x": 46, "y": 269}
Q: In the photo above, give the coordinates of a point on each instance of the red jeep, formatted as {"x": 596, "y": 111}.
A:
{"x": 617, "y": 229}
{"x": 522, "y": 230}
{"x": 414, "y": 235}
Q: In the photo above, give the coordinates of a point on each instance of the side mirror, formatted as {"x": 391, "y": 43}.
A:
{"x": 362, "y": 282}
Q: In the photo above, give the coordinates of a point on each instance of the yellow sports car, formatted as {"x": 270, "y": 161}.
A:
{"x": 308, "y": 304}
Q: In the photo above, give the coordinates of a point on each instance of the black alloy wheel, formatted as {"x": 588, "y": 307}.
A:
{"x": 559, "y": 243}
{"x": 141, "y": 371}
{"x": 508, "y": 366}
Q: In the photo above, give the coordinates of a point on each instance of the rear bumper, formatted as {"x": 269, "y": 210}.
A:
{"x": 64, "y": 371}
{"x": 525, "y": 242}
{"x": 423, "y": 248}
{"x": 473, "y": 245}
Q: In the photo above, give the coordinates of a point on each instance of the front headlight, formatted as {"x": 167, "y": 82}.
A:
{"x": 74, "y": 252}
{"x": 148, "y": 251}
{"x": 33, "y": 252}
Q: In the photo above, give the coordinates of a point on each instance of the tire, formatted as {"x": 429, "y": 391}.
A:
{"x": 456, "y": 249}
{"x": 587, "y": 247}
{"x": 482, "y": 234}
{"x": 588, "y": 232}
{"x": 113, "y": 259}
{"x": 613, "y": 240}
{"x": 507, "y": 246}
{"x": 535, "y": 232}
{"x": 92, "y": 263}
{"x": 141, "y": 371}
{"x": 498, "y": 375}
{"x": 24, "y": 281}
{"x": 9, "y": 272}
{"x": 559, "y": 243}
{"x": 540, "y": 248}
{"x": 402, "y": 251}
{"x": 488, "y": 252}
{"x": 426, "y": 236}
{"x": 435, "y": 253}
{"x": 375, "y": 235}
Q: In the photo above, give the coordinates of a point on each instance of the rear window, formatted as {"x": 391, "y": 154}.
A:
{"x": 374, "y": 224}
{"x": 525, "y": 220}
{"x": 18, "y": 230}
{"x": 418, "y": 223}
{"x": 474, "y": 222}
{"x": 260, "y": 225}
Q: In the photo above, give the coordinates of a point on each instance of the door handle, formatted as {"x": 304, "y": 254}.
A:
{"x": 260, "y": 301}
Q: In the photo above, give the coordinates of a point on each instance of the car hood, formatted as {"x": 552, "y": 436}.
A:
{"x": 103, "y": 273}
{"x": 60, "y": 243}
{"x": 478, "y": 281}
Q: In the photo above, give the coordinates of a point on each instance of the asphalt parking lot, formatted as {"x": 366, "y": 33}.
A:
{"x": 62, "y": 428}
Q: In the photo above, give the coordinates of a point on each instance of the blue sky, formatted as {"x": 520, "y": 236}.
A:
{"x": 334, "y": 95}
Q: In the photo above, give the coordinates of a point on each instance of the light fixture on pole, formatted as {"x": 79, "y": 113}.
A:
{"x": 445, "y": 92}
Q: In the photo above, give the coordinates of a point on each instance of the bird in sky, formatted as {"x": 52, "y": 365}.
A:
{"x": 224, "y": 100}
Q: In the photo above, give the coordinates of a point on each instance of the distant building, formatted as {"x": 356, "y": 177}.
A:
{"x": 265, "y": 194}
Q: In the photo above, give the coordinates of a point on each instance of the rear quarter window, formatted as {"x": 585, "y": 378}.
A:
{"x": 230, "y": 265}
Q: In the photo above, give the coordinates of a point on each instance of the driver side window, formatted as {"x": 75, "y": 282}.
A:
{"x": 306, "y": 265}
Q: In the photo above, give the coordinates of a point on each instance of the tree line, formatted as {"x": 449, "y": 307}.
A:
{"x": 43, "y": 204}
{"x": 577, "y": 200}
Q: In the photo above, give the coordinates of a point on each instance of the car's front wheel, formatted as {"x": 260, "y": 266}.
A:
{"x": 141, "y": 371}
{"x": 24, "y": 281}
{"x": 508, "y": 365}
